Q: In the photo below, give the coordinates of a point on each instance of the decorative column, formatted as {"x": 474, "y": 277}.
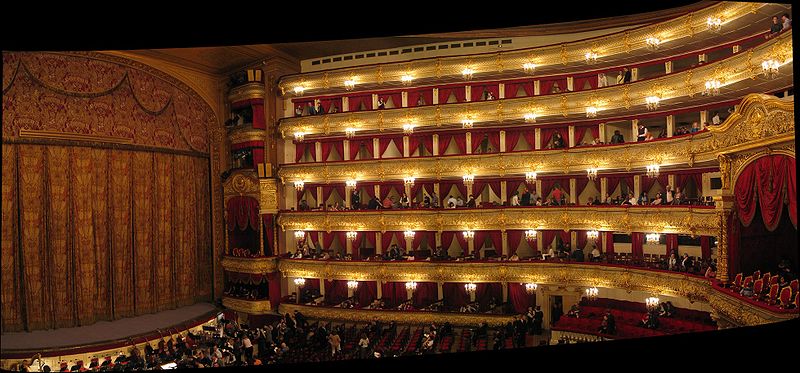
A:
{"x": 505, "y": 250}
{"x": 505, "y": 293}
{"x": 376, "y": 148}
{"x": 536, "y": 90}
{"x": 439, "y": 196}
{"x": 345, "y": 107}
{"x": 435, "y": 143}
{"x": 347, "y": 196}
{"x": 403, "y": 102}
{"x": 469, "y": 142}
{"x": 634, "y": 130}
{"x": 602, "y": 132}
{"x": 406, "y": 150}
{"x": 440, "y": 288}
{"x": 571, "y": 135}
{"x": 468, "y": 184}
{"x": 539, "y": 189}
{"x": 375, "y": 100}
{"x": 349, "y": 246}
{"x": 502, "y": 141}
{"x": 603, "y": 188}
{"x": 538, "y": 139}
{"x": 407, "y": 191}
{"x": 723, "y": 215}
{"x": 670, "y": 125}
{"x": 668, "y": 67}
{"x": 504, "y": 193}
{"x": 350, "y": 292}
{"x": 322, "y": 287}
{"x": 438, "y": 238}
{"x": 346, "y": 155}
{"x": 377, "y": 189}
{"x": 436, "y": 97}
{"x": 379, "y": 244}
{"x": 318, "y": 155}
{"x": 468, "y": 91}
{"x": 637, "y": 186}
{"x": 570, "y": 83}
{"x": 470, "y": 245}
{"x": 671, "y": 181}
{"x": 573, "y": 240}
{"x": 701, "y": 57}
{"x": 539, "y": 244}
{"x": 472, "y": 296}
{"x": 409, "y": 292}
{"x": 380, "y": 291}
{"x": 736, "y": 48}
{"x": 320, "y": 202}
{"x": 634, "y": 74}
{"x": 409, "y": 243}
{"x": 573, "y": 190}
{"x": 703, "y": 117}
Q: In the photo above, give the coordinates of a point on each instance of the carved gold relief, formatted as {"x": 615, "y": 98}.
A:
{"x": 247, "y": 91}
{"x": 269, "y": 196}
{"x": 400, "y": 317}
{"x": 252, "y": 307}
{"x": 250, "y": 265}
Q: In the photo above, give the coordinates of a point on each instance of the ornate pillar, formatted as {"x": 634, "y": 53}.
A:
{"x": 637, "y": 185}
{"x": 409, "y": 243}
{"x": 346, "y": 155}
{"x": 439, "y": 196}
{"x": 403, "y": 102}
{"x": 406, "y": 150}
{"x": 438, "y": 238}
{"x": 435, "y": 143}
{"x": 503, "y": 192}
{"x": 468, "y": 91}
{"x": 436, "y": 98}
{"x": 570, "y": 83}
{"x": 320, "y": 202}
{"x": 377, "y": 189}
{"x": 722, "y": 247}
{"x": 469, "y": 143}
{"x": 536, "y": 88}
{"x": 505, "y": 292}
{"x": 670, "y": 125}
{"x": 505, "y": 250}
{"x": 502, "y": 141}
{"x": 379, "y": 249}
{"x": 538, "y": 139}
{"x": 502, "y": 92}
{"x": 634, "y": 74}
{"x": 318, "y": 155}
{"x": 349, "y": 247}
{"x": 376, "y": 148}
{"x": 634, "y": 130}
{"x": 668, "y": 67}
{"x": 379, "y": 288}
{"x": 347, "y": 196}
{"x": 602, "y": 132}
{"x": 571, "y": 135}
{"x": 603, "y": 188}
{"x": 345, "y": 104}
{"x": 573, "y": 190}
{"x": 470, "y": 245}
{"x": 703, "y": 117}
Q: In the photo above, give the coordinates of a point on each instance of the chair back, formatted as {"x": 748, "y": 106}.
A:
{"x": 773, "y": 293}
{"x": 738, "y": 280}
{"x": 785, "y": 297}
{"x": 773, "y": 280}
{"x": 793, "y": 285}
{"x": 748, "y": 281}
{"x": 758, "y": 287}
{"x": 757, "y": 275}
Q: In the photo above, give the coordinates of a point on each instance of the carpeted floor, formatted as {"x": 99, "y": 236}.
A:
{"x": 103, "y": 330}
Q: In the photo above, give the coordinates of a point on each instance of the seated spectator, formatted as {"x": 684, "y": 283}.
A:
{"x": 311, "y": 110}
{"x": 514, "y": 257}
{"x": 657, "y": 200}
{"x": 319, "y": 110}
{"x": 471, "y": 202}
{"x": 595, "y": 254}
{"x": 539, "y": 201}
{"x": 650, "y": 320}
{"x": 642, "y": 199}
{"x": 298, "y": 111}
{"x": 334, "y": 109}
{"x": 515, "y": 198}
{"x": 787, "y": 22}
{"x": 715, "y": 120}
{"x": 666, "y": 309}
{"x": 459, "y": 202}
{"x": 404, "y": 202}
{"x": 678, "y": 198}
{"x": 672, "y": 264}
{"x": 381, "y": 103}
{"x": 775, "y": 28}
{"x": 695, "y": 127}
{"x": 387, "y": 202}
{"x": 426, "y": 202}
{"x": 617, "y": 138}
{"x": 686, "y": 262}
{"x": 577, "y": 255}
{"x": 574, "y": 311}
{"x": 451, "y": 202}
{"x": 596, "y": 141}
{"x": 711, "y": 272}
{"x": 303, "y": 206}
{"x": 558, "y": 141}
{"x": 609, "y": 325}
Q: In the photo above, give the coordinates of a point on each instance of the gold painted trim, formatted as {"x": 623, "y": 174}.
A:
{"x": 732, "y": 70}
{"x": 256, "y": 266}
{"x": 687, "y": 220}
{"x": 247, "y": 91}
{"x": 55, "y": 135}
{"x": 567, "y": 53}
{"x": 252, "y": 307}
{"x": 400, "y": 317}
{"x": 246, "y": 134}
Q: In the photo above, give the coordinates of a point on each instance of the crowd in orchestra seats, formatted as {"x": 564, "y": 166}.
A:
{"x": 778, "y": 290}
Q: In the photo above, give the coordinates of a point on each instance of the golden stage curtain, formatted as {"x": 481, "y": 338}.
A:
{"x": 99, "y": 234}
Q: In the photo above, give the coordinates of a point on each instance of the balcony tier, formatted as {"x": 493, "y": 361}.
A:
{"x": 736, "y": 74}
{"x": 672, "y": 33}
{"x": 760, "y": 120}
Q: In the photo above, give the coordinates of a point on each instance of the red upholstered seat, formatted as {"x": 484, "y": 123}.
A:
{"x": 758, "y": 288}
{"x": 772, "y": 298}
{"x": 773, "y": 280}
{"x": 785, "y": 297}
{"x": 747, "y": 281}
{"x": 793, "y": 285}
{"x": 756, "y": 275}
{"x": 737, "y": 281}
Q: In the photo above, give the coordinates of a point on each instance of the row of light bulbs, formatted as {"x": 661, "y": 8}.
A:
{"x": 652, "y": 42}
{"x": 469, "y": 179}
{"x": 530, "y": 234}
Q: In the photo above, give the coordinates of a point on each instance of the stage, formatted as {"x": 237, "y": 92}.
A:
{"x": 106, "y": 332}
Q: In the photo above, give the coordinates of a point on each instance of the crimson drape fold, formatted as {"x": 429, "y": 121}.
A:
{"x": 462, "y": 241}
{"x": 548, "y": 184}
{"x": 512, "y": 87}
{"x": 459, "y": 91}
{"x": 270, "y": 246}
{"x": 530, "y": 137}
{"x": 426, "y": 293}
{"x": 477, "y": 138}
{"x": 770, "y": 180}
{"x": 705, "y": 247}
{"x": 243, "y": 212}
{"x": 580, "y": 239}
{"x": 330, "y": 101}
{"x": 426, "y": 93}
{"x": 512, "y": 138}
{"x": 386, "y": 240}
{"x": 393, "y": 293}
{"x": 477, "y": 91}
{"x": 581, "y": 80}
{"x": 366, "y": 292}
{"x": 547, "y": 238}
{"x": 447, "y": 239}
{"x": 445, "y": 186}
{"x": 387, "y": 188}
{"x": 647, "y": 183}
{"x": 327, "y": 146}
{"x": 485, "y": 291}
{"x": 546, "y": 85}
{"x": 672, "y": 243}
{"x": 461, "y": 141}
{"x": 328, "y": 189}
{"x": 397, "y": 98}
{"x": 547, "y": 135}
{"x": 455, "y": 295}
{"x": 480, "y": 238}
{"x": 580, "y": 185}
{"x": 335, "y": 291}
{"x": 519, "y": 298}
{"x": 514, "y": 238}
{"x": 356, "y": 101}
{"x": 419, "y": 237}
{"x": 444, "y": 142}
{"x": 383, "y": 144}
{"x": 608, "y": 238}
{"x": 637, "y": 244}
{"x": 580, "y": 131}
{"x": 355, "y": 146}
{"x": 300, "y": 149}
{"x": 615, "y": 180}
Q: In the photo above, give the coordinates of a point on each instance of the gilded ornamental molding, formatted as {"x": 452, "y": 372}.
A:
{"x": 400, "y": 317}
{"x": 241, "y": 183}
{"x": 253, "y": 307}
{"x": 668, "y": 31}
{"x": 254, "y": 266}
{"x": 759, "y": 121}
{"x": 688, "y": 220}
{"x": 734, "y": 70}
{"x": 269, "y": 195}
{"x": 246, "y": 134}
{"x": 695, "y": 289}
{"x": 249, "y": 91}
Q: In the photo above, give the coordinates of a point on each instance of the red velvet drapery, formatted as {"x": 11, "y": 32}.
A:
{"x": 414, "y": 95}
{"x": 461, "y": 142}
{"x": 637, "y": 243}
{"x": 242, "y": 212}
{"x": 396, "y": 98}
{"x": 327, "y": 189}
{"x": 608, "y": 238}
{"x": 672, "y": 243}
{"x": 447, "y": 239}
{"x": 579, "y": 133}
{"x": 548, "y": 184}
{"x": 426, "y": 293}
{"x": 356, "y": 101}
{"x": 512, "y": 88}
{"x": 512, "y": 138}
{"x": 445, "y": 186}
{"x": 514, "y": 238}
{"x": 387, "y": 188}
{"x": 393, "y": 293}
{"x": 478, "y": 89}
{"x": 484, "y": 292}
{"x": 444, "y": 142}
{"x": 511, "y": 186}
{"x": 519, "y": 298}
{"x": 614, "y": 181}
{"x": 477, "y": 139}
{"x": 414, "y": 144}
{"x": 459, "y": 91}
{"x": 335, "y": 291}
{"x": 455, "y": 295}
{"x": 581, "y": 80}
{"x": 481, "y": 184}
{"x": 355, "y": 146}
{"x": 547, "y": 135}
{"x": 366, "y": 292}
{"x": 580, "y": 240}
{"x": 331, "y": 101}
{"x": 270, "y": 247}
{"x": 300, "y": 149}
{"x": 705, "y": 247}
{"x": 546, "y": 85}
{"x": 383, "y": 144}
{"x": 771, "y": 181}
{"x": 327, "y": 146}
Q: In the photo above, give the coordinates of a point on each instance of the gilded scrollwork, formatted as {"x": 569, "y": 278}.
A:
{"x": 253, "y": 307}
{"x": 400, "y": 317}
{"x": 250, "y": 265}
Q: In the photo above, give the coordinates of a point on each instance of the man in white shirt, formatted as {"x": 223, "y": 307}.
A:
{"x": 459, "y": 202}
{"x": 715, "y": 119}
{"x": 595, "y": 254}
{"x": 515, "y": 199}
{"x": 632, "y": 199}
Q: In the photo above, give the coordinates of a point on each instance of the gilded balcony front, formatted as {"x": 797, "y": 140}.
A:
{"x": 250, "y": 265}
{"x": 680, "y": 219}
{"x": 735, "y": 74}
{"x": 252, "y": 307}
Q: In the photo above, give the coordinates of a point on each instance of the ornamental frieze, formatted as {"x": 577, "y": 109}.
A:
{"x": 255, "y": 266}
{"x": 253, "y": 307}
{"x": 684, "y": 220}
